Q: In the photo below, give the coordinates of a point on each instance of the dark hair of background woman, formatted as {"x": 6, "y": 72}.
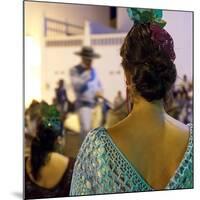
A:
{"x": 153, "y": 72}
{"x": 41, "y": 146}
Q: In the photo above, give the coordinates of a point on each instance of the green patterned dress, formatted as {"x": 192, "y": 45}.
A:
{"x": 102, "y": 168}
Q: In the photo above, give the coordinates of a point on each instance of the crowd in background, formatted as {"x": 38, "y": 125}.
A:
{"x": 182, "y": 105}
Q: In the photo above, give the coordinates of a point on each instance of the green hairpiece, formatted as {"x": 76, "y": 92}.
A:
{"x": 141, "y": 16}
{"x": 51, "y": 117}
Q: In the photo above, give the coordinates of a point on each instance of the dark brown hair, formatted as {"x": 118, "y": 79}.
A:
{"x": 43, "y": 144}
{"x": 152, "y": 70}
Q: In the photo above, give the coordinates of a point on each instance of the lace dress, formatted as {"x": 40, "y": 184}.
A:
{"x": 102, "y": 168}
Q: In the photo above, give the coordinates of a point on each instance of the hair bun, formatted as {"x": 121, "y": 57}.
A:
{"x": 148, "y": 61}
{"x": 154, "y": 77}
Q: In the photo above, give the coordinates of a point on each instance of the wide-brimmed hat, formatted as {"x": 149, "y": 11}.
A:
{"x": 87, "y": 52}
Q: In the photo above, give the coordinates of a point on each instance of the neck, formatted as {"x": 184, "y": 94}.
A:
{"x": 147, "y": 114}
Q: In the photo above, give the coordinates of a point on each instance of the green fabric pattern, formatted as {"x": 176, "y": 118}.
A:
{"x": 102, "y": 168}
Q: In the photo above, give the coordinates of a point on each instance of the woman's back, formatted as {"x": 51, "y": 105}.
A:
{"x": 101, "y": 167}
{"x": 55, "y": 177}
{"x": 155, "y": 151}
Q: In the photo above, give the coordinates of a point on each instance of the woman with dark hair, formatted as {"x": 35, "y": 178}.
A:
{"x": 148, "y": 150}
{"x": 47, "y": 173}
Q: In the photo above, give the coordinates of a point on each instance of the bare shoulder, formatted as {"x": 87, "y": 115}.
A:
{"x": 178, "y": 127}
{"x": 57, "y": 165}
{"x": 176, "y": 123}
{"x": 112, "y": 131}
{"x": 116, "y": 132}
{"x": 59, "y": 158}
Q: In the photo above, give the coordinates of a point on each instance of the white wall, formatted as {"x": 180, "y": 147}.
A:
{"x": 123, "y": 22}
{"x": 58, "y": 61}
{"x": 34, "y": 28}
{"x": 179, "y": 25}
{"x": 75, "y": 14}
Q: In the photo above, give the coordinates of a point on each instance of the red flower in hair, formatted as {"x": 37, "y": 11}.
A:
{"x": 163, "y": 39}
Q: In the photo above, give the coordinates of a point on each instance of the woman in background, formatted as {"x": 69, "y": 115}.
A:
{"x": 148, "y": 150}
{"x": 47, "y": 173}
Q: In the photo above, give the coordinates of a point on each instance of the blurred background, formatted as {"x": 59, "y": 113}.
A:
{"x": 54, "y": 31}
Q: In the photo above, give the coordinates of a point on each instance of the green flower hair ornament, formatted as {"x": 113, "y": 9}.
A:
{"x": 141, "y": 16}
{"x": 51, "y": 117}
